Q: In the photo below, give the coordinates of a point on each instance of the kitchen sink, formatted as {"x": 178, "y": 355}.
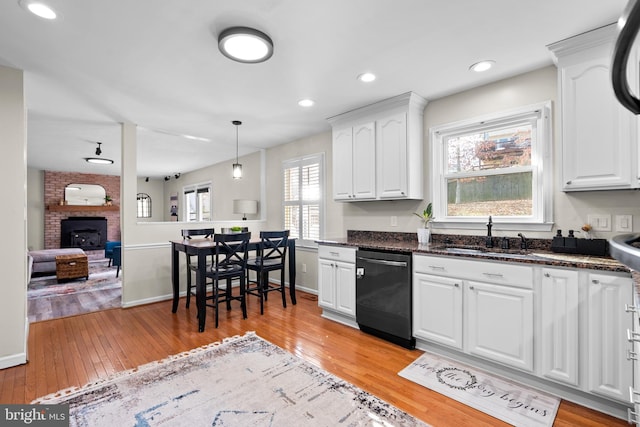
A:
{"x": 481, "y": 251}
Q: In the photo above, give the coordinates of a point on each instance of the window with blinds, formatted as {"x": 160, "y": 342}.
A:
{"x": 303, "y": 181}
{"x": 197, "y": 202}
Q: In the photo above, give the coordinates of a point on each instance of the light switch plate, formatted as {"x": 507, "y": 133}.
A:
{"x": 600, "y": 222}
{"x": 624, "y": 223}
{"x": 394, "y": 221}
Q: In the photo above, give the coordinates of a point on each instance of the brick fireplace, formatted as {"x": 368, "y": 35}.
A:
{"x": 54, "y": 185}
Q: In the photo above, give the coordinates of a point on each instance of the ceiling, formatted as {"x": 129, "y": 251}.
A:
{"x": 156, "y": 64}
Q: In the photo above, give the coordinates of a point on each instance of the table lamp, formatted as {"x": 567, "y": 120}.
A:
{"x": 244, "y": 207}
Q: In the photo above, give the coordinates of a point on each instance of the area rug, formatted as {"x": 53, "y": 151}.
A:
{"x": 243, "y": 381}
{"x": 496, "y": 396}
{"x": 100, "y": 277}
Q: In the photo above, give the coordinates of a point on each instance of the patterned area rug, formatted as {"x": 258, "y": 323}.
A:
{"x": 501, "y": 398}
{"x": 243, "y": 381}
{"x": 100, "y": 277}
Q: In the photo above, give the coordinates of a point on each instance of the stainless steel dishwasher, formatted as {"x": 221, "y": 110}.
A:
{"x": 383, "y": 295}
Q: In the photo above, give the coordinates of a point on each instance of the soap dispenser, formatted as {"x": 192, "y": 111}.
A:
{"x": 571, "y": 243}
{"x": 557, "y": 244}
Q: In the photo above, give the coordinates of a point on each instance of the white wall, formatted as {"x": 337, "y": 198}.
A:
{"x": 13, "y": 254}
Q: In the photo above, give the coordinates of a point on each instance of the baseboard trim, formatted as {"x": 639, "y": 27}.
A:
{"x": 13, "y": 360}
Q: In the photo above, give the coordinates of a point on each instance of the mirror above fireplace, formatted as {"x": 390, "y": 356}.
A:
{"x": 84, "y": 194}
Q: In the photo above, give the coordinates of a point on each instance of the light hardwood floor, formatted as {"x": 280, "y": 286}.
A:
{"x": 75, "y": 350}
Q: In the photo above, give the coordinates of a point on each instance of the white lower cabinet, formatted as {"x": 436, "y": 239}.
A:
{"x": 337, "y": 283}
{"x": 567, "y": 326}
{"x": 559, "y": 302}
{"x": 499, "y": 323}
{"x": 610, "y": 372}
{"x": 633, "y": 355}
{"x": 437, "y": 309}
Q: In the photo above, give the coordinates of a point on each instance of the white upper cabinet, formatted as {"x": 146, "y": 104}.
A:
{"x": 377, "y": 150}
{"x": 599, "y": 136}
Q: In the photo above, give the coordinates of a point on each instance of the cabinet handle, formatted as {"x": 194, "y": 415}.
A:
{"x": 436, "y": 267}
{"x": 335, "y": 254}
{"x": 402, "y": 192}
{"x": 632, "y": 396}
{"x": 472, "y": 287}
{"x": 632, "y": 355}
{"x": 456, "y": 285}
{"x": 595, "y": 281}
{"x": 629, "y": 308}
{"x": 547, "y": 275}
{"x": 632, "y": 417}
{"x": 493, "y": 274}
{"x": 568, "y": 182}
{"x": 633, "y": 336}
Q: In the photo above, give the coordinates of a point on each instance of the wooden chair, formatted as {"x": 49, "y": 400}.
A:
{"x": 229, "y": 261}
{"x": 272, "y": 254}
{"x": 193, "y": 266}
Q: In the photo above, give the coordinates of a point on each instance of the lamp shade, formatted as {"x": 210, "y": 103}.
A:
{"x": 242, "y": 206}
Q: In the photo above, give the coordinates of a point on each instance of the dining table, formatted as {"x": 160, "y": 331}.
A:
{"x": 202, "y": 248}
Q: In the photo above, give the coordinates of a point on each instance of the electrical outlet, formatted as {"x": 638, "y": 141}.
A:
{"x": 599, "y": 222}
{"x": 394, "y": 221}
{"x": 624, "y": 223}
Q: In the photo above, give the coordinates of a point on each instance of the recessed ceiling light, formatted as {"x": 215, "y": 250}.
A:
{"x": 367, "y": 77}
{"x": 481, "y": 66}
{"x": 244, "y": 44}
{"x": 306, "y": 103}
{"x": 38, "y": 8}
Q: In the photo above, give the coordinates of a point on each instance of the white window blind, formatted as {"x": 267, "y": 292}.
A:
{"x": 303, "y": 182}
{"x": 197, "y": 201}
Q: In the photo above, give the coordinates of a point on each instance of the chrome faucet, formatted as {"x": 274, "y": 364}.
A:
{"x": 523, "y": 241}
{"x": 489, "y": 240}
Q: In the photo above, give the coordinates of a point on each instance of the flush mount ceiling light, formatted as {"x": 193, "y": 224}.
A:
{"x": 99, "y": 160}
{"x": 246, "y": 45}
{"x": 306, "y": 103}
{"x": 481, "y": 66}
{"x": 38, "y": 8}
{"x": 237, "y": 167}
{"x": 367, "y": 77}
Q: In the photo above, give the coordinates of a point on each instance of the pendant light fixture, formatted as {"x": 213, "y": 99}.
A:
{"x": 237, "y": 167}
{"x": 99, "y": 160}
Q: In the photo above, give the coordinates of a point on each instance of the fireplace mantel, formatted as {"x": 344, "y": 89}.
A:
{"x": 82, "y": 208}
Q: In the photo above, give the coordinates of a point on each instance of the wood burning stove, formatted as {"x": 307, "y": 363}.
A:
{"x": 84, "y": 232}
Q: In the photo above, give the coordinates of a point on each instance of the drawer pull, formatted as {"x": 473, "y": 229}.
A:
{"x": 595, "y": 281}
{"x": 72, "y": 263}
{"x": 472, "y": 287}
{"x": 436, "y": 267}
{"x": 629, "y": 308}
{"x": 632, "y": 396}
{"x": 632, "y": 417}
{"x": 456, "y": 285}
{"x": 547, "y": 275}
{"x": 334, "y": 254}
{"x": 633, "y": 336}
{"x": 493, "y": 275}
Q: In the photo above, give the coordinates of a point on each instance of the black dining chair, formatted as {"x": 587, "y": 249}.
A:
{"x": 229, "y": 261}
{"x": 192, "y": 267}
{"x": 271, "y": 256}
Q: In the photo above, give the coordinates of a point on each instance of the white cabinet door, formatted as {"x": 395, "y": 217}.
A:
{"x": 599, "y": 135}
{"x": 326, "y": 283}
{"x": 392, "y": 156}
{"x": 343, "y": 164}
{"x": 364, "y": 161}
{"x": 610, "y": 372}
{"x": 345, "y": 288}
{"x": 559, "y": 308}
{"x": 499, "y": 324}
{"x": 437, "y": 309}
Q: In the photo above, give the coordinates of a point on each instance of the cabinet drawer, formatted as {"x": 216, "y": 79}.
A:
{"x": 337, "y": 253}
{"x": 494, "y": 272}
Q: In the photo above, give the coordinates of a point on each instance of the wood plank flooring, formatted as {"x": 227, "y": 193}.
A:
{"x": 75, "y": 350}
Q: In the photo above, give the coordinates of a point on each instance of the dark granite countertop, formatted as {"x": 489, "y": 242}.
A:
{"x": 538, "y": 250}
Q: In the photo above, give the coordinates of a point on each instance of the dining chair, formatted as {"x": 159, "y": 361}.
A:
{"x": 271, "y": 256}
{"x": 229, "y": 261}
{"x": 192, "y": 267}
